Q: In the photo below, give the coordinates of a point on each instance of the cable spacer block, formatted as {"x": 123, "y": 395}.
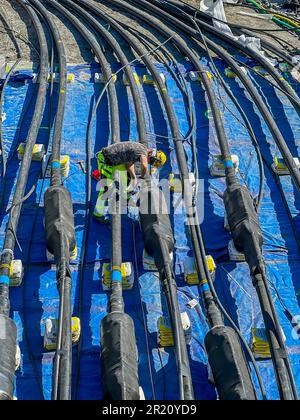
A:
{"x": 136, "y": 78}
{"x": 230, "y": 73}
{"x": 280, "y": 168}
{"x": 64, "y": 166}
{"x": 149, "y": 263}
{"x": 51, "y": 329}
{"x": 148, "y": 79}
{"x": 16, "y": 273}
{"x": 261, "y": 70}
{"x": 38, "y": 153}
{"x": 55, "y": 78}
{"x": 260, "y": 345}
{"x": 194, "y": 76}
{"x": 190, "y": 271}
{"x": 217, "y": 168}
{"x": 175, "y": 182}
{"x": 124, "y": 274}
{"x": 99, "y": 78}
{"x": 165, "y": 332}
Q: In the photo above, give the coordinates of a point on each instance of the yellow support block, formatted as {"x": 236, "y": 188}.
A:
{"x": 190, "y": 271}
{"x": 136, "y": 78}
{"x": 37, "y": 154}
{"x": 127, "y": 276}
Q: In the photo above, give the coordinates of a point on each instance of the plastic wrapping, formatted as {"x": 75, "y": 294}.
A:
{"x": 8, "y": 345}
{"x": 59, "y": 219}
{"x": 119, "y": 358}
{"x": 228, "y": 364}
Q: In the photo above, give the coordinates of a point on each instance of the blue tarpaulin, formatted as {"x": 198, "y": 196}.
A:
{"x": 37, "y": 298}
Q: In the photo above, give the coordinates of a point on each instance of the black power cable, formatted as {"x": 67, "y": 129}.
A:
{"x": 128, "y": 387}
{"x": 191, "y": 10}
{"x": 114, "y": 113}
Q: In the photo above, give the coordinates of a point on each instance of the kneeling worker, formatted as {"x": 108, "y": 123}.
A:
{"x": 122, "y": 157}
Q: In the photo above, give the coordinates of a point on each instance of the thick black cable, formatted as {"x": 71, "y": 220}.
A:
{"x": 10, "y": 237}
{"x": 294, "y": 99}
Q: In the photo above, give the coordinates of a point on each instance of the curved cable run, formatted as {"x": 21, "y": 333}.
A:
{"x": 292, "y": 96}
{"x": 7, "y": 353}
{"x": 188, "y": 8}
{"x": 285, "y": 378}
{"x": 2, "y": 97}
{"x": 249, "y": 87}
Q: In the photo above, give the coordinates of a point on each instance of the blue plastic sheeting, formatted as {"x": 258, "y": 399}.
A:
{"x": 37, "y": 298}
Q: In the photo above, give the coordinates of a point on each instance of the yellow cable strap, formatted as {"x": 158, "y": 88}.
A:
{"x": 114, "y": 268}
{"x": 9, "y": 267}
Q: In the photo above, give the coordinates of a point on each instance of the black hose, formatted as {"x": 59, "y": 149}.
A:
{"x": 293, "y": 98}
{"x": 239, "y": 29}
{"x": 136, "y": 96}
{"x": 9, "y": 241}
{"x": 213, "y": 315}
{"x": 115, "y": 132}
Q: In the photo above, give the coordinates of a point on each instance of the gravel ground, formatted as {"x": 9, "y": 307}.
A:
{"x": 77, "y": 49}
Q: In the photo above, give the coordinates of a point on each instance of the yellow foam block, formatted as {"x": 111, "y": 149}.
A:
{"x": 148, "y": 79}
{"x": 217, "y": 168}
{"x": 136, "y": 78}
{"x": 99, "y": 78}
{"x": 230, "y": 73}
{"x": 190, "y": 271}
{"x": 56, "y": 76}
{"x": 73, "y": 254}
{"x": 176, "y": 184}
{"x": 127, "y": 275}
{"x": 71, "y": 78}
{"x": 279, "y": 166}
{"x": 37, "y": 154}
{"x": 50, "y": 337}
{"x": 259, "y": 343}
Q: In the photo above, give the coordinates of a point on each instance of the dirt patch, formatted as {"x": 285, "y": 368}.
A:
{"x": 78, "y": 50}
